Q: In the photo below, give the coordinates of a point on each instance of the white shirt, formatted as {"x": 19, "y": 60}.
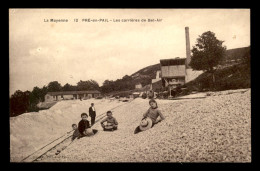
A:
{"x": 93, "y": 108}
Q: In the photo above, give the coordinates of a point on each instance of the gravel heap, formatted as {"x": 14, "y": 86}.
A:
{"x": 214, "y": 129}
{"x": 31, "y": 131}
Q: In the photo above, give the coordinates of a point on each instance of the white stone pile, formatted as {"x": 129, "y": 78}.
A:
{"x": 31, "y": 131}
{"x": 214, "y": 129}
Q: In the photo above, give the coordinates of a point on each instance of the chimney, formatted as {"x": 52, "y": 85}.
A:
{"x": 187, "y": 47}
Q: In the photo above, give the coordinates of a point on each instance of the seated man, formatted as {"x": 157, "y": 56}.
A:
{"x": 111, "y": 124}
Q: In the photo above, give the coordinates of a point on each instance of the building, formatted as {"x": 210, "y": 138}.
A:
{"x": 176, "y": 71}
{"x": 66, "y": 95}
{"x": 190, "y": 73}
{"x": 157, "y": 82}
{"x": 158, "y": 76}
{"x": 173, "y": 72}
{"x": 138, "y": 86}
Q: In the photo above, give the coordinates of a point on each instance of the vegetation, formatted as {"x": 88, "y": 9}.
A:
{"x": 231, "y": 77}
{"x": 54, "y": 86}
{"x": 126, "y": 83}
{"x": 68, "y": 87}
{"x": 207, "y": 53}
{"x": 87, "y": 85}
{"x": 21, "y": 102}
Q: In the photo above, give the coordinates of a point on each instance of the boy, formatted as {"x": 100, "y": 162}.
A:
{"x": 84, "y": 126}
{"x": 76, "y": 133}
{"x": 92, "y": 113}
{"x": 111, "y": 122}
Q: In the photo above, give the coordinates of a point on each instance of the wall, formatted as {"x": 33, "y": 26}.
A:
{"x": 173, "y": 70}
{"x": 96, "y": 95}
{"x": 138, "y": 86}
{"x": 158, "y": 77}
{"x": 68, "y": 96}
{"x": 156, "y": 85}
{"x": 191, "y": 75}
{"x": 89, "y": 96}
{"x": 48, "y": 98}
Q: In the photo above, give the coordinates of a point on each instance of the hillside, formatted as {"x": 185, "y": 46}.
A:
{"x": 238, "y": 53}
{"x": 232, "y": 77}
{"x": 145, "y": 75}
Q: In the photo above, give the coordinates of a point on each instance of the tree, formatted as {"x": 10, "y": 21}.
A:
{"x": 93, "y": 85}
{"x": 207, "y": 53}
{"x": 107, "y": 86}
{"x": 83, "y": 85}
{"x": 19, "y": 102}
{"x": 127, "y": 78}
{"x": 35, "y": 96}
{"x": 68, "y": 87}
{"x": 44, "y": 91}
{"x": 87, "y": 85}
{"x": 54, "y": 86}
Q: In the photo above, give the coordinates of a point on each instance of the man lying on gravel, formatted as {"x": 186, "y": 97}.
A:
{"x": 111, "y": 122}
{"x": 84, "y": 127}
{"x": 150, "y": 117}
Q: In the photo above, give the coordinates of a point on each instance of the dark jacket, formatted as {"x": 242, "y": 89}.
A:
{"x": 83, "y": 125}
{"x": 91, "y": 112}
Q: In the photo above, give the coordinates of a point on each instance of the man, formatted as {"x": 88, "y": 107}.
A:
{"x": 92, "y": 114}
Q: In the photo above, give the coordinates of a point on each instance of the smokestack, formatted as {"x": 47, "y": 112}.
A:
{"x": 187, "y": 47}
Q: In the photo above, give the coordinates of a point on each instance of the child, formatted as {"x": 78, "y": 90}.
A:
{"x": 84, "y": 127}
{"x": 153, "y": 112}
{"x": 111, "y": 122}
{"x": 76, "y": 133}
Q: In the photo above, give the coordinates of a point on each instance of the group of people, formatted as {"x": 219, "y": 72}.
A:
{"x": 150, "y": 118}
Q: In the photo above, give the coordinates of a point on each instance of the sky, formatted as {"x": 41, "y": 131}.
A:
{"x": 41, "y": 51}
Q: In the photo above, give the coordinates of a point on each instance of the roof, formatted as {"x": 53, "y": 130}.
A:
{"x": 173, "y": 61}
{"x": 73, "y": 92}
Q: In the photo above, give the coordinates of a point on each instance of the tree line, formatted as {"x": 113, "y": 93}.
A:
{"x": 126, "y": 83}
{"x": 22, "y": 102}
{"x": 206, "y": 55}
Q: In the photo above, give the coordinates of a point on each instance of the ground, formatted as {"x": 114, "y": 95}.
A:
{"x": 212, "y": 129}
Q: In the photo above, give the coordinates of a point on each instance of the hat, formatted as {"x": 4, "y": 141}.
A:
{"x": 88, "y": 132}
{"x": 146, "y": 124}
